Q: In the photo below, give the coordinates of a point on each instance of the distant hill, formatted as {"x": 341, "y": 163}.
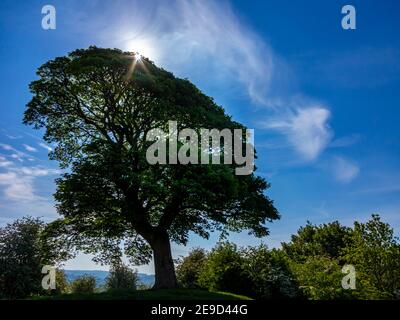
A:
{"x": 100, "y": 275}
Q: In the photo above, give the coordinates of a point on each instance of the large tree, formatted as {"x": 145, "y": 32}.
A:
{"x": 97, "y": 106}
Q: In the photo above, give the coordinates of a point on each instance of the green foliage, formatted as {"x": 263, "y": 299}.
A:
{"x": 268, "y": 273}
{"x": 190, "y": 267}
{"x": 314, "y": 260}
{"x": 143, "y": 286}
{"x": 253, "y": 271}
{"x": 310, "y": 266}
{"x": 320, "y": 278}
{"x": 224, "y": 270}
{"x": 317, "y": 254}
{"x": 375, "y": 253}
{"x": 311, "y": 240}
{"x": 22, "y": 256}
{"x": 121, "y": 277}
{"x": 83, "y": 285}
{"x": 62, "y": 284}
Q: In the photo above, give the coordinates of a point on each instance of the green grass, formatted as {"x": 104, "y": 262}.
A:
{"x": 171, "y": 294}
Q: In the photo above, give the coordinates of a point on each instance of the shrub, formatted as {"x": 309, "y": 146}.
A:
{"x": 121, "y": 277}
{"x": 143, "y": 286}
{"x": 269, "y": 274}
{"x": 84, "y": 284}
{"x": 190, "y": 267}
{"x": 224, "y": 271}
{"x": 320, "y": 278}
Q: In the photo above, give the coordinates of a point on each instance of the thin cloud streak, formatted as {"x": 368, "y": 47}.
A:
{"x": 29, "y": 148}
{"x": 45, "y": 146}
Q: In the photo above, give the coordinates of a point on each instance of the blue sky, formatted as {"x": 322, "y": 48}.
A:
{"x": 324, "y": 102}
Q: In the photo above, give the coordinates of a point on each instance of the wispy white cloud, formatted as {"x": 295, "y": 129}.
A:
{"x": 29, "y": 148}
{"x": 6, "y": 147}
{"x": 17, "y": 157}
{"x": 306, "y": 129}
{"x": 18, "y": 182}
{"x": 345, "y": 170}
{"x": 345, "y": 141}
{"x": 13, "y": 137}
{"x": 4, "y": 162}
{"x": 45, "y": 146}
{"x": 15, "y": 153}
{"x": 17, "y": 187}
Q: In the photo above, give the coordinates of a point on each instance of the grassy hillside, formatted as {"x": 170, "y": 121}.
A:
{"x": 175, "y": 294}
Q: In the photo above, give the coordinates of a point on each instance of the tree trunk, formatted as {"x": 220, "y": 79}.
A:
{"x": 165, "y": 277}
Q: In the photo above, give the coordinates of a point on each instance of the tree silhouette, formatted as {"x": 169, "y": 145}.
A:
{"x": 96, "y": 106}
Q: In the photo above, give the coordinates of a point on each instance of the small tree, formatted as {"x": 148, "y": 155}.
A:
{"x": 121, "y": 277}
{"x": 83, "y": 285}
{"x": 22, "y": 255}
{"x": 190, "y": 267}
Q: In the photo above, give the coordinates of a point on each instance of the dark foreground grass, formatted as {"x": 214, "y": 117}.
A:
{"x": 167, "y": 294}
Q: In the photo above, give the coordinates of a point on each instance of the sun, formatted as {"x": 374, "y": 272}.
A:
{"x": 143, "y": 47}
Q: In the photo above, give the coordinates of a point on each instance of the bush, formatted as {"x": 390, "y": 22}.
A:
{"x": 121, "y": 277}
{"x": 143, "y": 286}
{"x": 84, "y": 284}
{"x": 224, "y": 270}
{"x": 320, "y": 278}
{"x": 269, "y": 274}
{"x": 190, "y": 267}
